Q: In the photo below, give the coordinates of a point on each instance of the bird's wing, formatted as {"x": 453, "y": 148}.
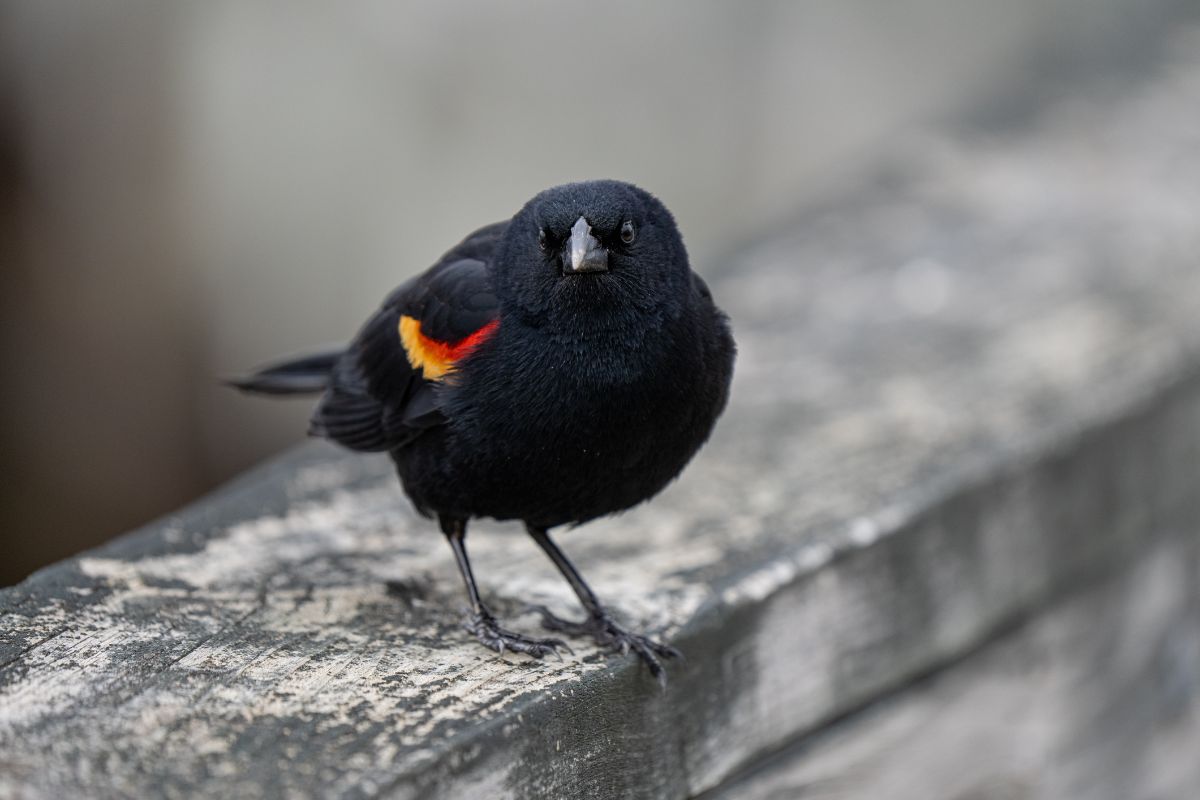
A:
{"x": 383, "y": 391}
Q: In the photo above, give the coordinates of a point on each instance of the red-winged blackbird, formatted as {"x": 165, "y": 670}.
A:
{"x": 554, "y": 368}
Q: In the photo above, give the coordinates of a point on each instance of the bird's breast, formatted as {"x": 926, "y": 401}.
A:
{"x": 581, "y": 430}
{"x": 563, "y": 382}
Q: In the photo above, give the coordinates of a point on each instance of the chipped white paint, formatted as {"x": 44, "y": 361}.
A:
{"x": 864, "y": 531}
{"x": 761, "y": 583}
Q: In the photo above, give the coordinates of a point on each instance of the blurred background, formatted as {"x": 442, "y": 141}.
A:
{"x": 190, "y": 189}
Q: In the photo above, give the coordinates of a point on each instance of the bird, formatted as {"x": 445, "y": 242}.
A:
{"x": 554, "y": 368}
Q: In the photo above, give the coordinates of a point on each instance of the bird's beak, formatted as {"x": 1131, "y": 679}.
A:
{"x": 582, "y": 253}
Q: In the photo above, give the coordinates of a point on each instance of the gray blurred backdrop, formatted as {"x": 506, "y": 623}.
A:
{"x": 189, "y": 189}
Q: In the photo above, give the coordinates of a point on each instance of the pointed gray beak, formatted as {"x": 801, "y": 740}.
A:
{"x": 582, "y": 253}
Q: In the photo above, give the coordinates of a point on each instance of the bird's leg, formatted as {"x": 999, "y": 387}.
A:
{"x": 482, "y": 622}
{"x": 599, "y": 625}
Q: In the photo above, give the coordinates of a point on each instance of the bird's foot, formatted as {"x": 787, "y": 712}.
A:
{"x": 607, "y": 633}
{"x": 488, "y": 631}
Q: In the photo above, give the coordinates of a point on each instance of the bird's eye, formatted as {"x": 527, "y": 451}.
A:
{"x": 542, "y": 238}
{"x": 627, "y": 232}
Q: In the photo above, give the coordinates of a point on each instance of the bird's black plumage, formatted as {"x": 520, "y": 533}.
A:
{"x": 555, "y": 368}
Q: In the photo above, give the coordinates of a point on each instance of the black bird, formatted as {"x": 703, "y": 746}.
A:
{"x": 561, "y": 366}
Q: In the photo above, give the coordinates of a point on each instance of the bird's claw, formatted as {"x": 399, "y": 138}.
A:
{"x": 488, "y": 631}
{"x": 607, "y": 633}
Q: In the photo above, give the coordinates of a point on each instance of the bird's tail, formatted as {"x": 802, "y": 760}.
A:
{"x": 304, "y": 375}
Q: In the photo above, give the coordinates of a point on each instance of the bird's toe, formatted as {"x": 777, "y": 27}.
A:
{"x": 648, "y": 650}
{"x": 608, "y": 634}
{"x": 491, "y": 635}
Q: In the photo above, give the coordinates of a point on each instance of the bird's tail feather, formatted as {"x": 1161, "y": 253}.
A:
{"x": 305, "y": 375}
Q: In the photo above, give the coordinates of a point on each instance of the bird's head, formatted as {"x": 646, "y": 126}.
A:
{"x": 594, "y": 255}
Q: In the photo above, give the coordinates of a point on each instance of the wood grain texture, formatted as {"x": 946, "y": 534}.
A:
{"x": 966, "y": 390}
{"x": 1096, "y": 697}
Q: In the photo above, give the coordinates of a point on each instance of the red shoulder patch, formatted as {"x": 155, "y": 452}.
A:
{"x": 436, "y": 358}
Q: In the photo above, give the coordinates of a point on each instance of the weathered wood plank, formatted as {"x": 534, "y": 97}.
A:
{"x": 963, "y": 391}
{"x": 1097, "y": 698}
